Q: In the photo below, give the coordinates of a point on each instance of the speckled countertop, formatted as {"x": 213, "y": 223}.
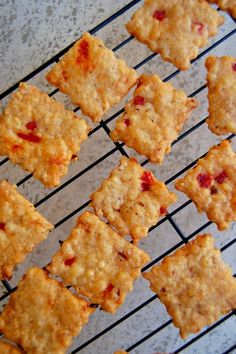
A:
{"x": 31, "y": 32}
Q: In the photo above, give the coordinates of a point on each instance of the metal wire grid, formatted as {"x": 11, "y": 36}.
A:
{"x": 119, "y": 147}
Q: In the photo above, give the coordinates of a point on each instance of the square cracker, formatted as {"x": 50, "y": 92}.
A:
{"x": 98, "y": 262}
{"x": 21, "y": 228}
{"x": 131, "y": 199}
{"x": 195, "y": 285}
{"x": 92, "y": 76}
{"x": 211, "y": 185}
{"x": 40, "y": 135}
{"x": 227, "y": 5}
{"x": 175, "y": 28}
{"x": 153, "y": 118}
{"x": 42, "y": 316}
{"x": 221, "y": 82}
{"x": 6, "y": 348}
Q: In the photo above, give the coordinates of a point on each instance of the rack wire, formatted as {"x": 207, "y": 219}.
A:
{"x": 119, "y": 147}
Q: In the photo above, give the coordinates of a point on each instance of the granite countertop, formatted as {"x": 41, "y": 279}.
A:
{"x": 31, "y": 32}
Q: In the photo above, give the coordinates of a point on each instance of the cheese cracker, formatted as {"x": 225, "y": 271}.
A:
{"x": 175, "y": 28}
{"x": 42, "y": 316}
{"x": 98, "y": 262}
{"x": 211, "y": 185}
{"x": 221, "y": 82}
{"x": 21, "y": 228}
{"x": 195, "y": 285}
{"x": 92, "y": 76}
{"x": 153, "y": 118}
{"x": 132, "y": 199}
{"x": 40, "y": 135}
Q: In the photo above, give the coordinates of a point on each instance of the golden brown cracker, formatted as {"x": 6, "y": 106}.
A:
{"x": 98, "y": 262}
{"x": 40, "y": 135}
{"x": 211, "y": 185}
{"x": 195, "y": 285}
{"x": 42, "y": 316}
{"x": 131, "y": 199}
{"x": 153, "y": 118}
{"x": 175, "y": 28}
{"x": 221, "y": 82}
{"x": 92, "y": 76}
{"x": 21, "y": 228}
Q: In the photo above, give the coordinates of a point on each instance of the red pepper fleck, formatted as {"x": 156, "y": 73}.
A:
{"x": 83, "y": 51}
{"x": 204, "y": 180}
{"x": 29, "y": 137}
{"x": 109, "y": 289}
{"x": 147, "y": 180}
{"x": 2, "y": 226}
{"x": 127, "y": 122}
{"x": 122, "y": 256}
{"x": 139, "y": 100}
{"x": 159, "y": 15}
{"x": 31, "y": 126}
{"x": 234, "y": 67}
{"x": 221, "y": 177}
{"x": 163, "y": 210}
{"x": 199, "y": 26}
{"x": 69, "y": 261}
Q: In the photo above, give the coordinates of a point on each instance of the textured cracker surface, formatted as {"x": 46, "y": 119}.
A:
{"x": 42, "y": 316}
{"x": 6, "y": 348}
{"x": 22, "y": 228}
{"x": 195, "y": 285}
{"x": 92, "y": 76}
{"x": 58, "y": 134}
{"x": 186, "y": 27}
{"x": 218, "y": 200}
{"x": 228, "y": 5}
{"x": 103, "y": 264}
{"x": 122, "y": 202}
{"x": 221, "y": 81}
{"x": 150, "y": 128}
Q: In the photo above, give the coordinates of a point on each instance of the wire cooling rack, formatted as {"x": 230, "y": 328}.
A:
{"x": 137, "y": 328}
